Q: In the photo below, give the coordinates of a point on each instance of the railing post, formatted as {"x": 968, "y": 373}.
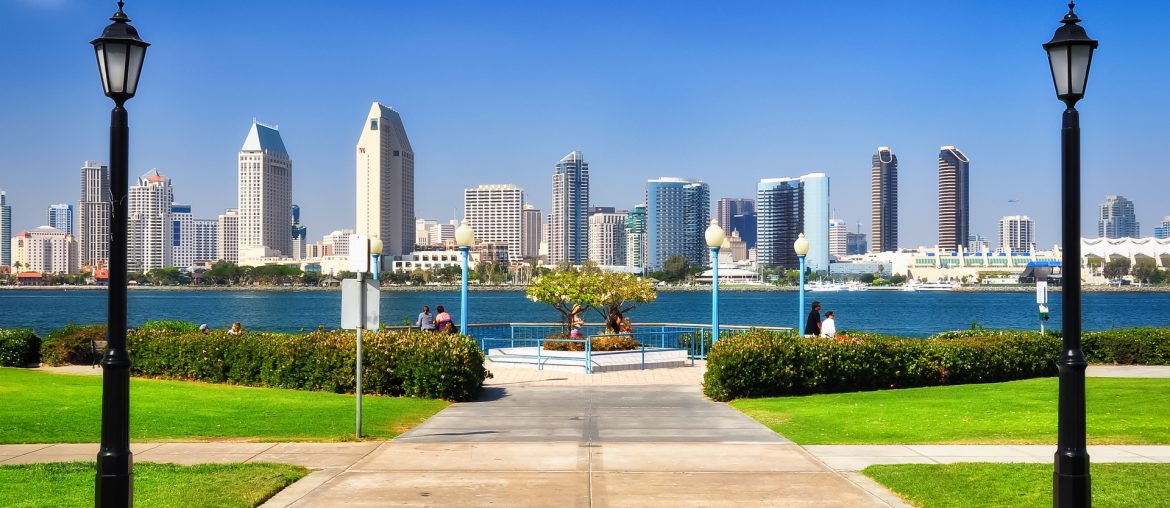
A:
{"x": 588, "y": 355}
{"x": 539, "y": 343}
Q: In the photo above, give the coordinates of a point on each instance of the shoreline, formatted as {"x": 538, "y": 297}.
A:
{"x": 517, "y": 288}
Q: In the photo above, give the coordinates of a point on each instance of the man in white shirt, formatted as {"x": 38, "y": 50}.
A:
{"x": 829, "y": 326}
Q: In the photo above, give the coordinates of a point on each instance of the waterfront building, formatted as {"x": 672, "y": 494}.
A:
{"x": 787, "y": 207}
{"x": 336, "y": 243}
{"x": 636, "y": 237}
{"x": 299, "y": 234}
{"x": 569, "y": 220}
{"x": 205, "y": 237}
{"x": 1162, "y": 230}
{"x": 954, "y": 209}
{"x": 61, "y": 217}
{"x": 93, "y": 215}
{"x": 1116, "y": 219}
{"x": 494, "y": 212}
{"x": 1096, "y": 252}
{"x": 385, "y": 181}
{"x": 884, "y": 200}
{"x": 838, "y": 230}
{"x": 228, "y": 236}
{"x": 422, "y": 231}
{"x": 45, "y": 250}
{"x": 182, "y": 236}
{"x": 1017, "y": 233}
{"x": 978, "y": 243}
{"x": 746, "y": 224}
{"x": 727, "y": 208}
{"x": 607, "y": 237}
{"x": 855, "y": 244}
{"x": 150, "y": 230}
{"x": 530, "y": 229}
{"x": 5, "y": 230}
{"x": 264, "y": 194}
{"x": 433, "y": 259}
{"x": 677, "y": 215}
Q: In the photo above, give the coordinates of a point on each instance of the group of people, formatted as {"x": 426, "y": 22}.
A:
{"x": 236, "y": 329}
{"x": 815, "y": 327}
{"x": 440, "y": 322}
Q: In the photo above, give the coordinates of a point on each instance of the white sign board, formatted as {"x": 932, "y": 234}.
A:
{"x": 359, "y": 253}
{"x": 351, "y": 304}
{"x": 1042, "y": 292}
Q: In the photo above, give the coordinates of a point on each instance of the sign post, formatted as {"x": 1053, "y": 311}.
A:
{"x": 360, "y": 308}
{"x": 1042, "y": 300}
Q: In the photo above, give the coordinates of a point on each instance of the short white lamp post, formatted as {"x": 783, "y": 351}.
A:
{"x": 714, "y": 237}
{"x": 376, "y": 251}
{"x": 464, "y": 237}
{"x": 801, "y": 247}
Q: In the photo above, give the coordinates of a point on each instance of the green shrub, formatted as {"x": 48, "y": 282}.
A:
{"x": 760, "y": 364}
{"x": 19, "y": 348}
{"x": 395, "y": 362}
{"x": 72, "y": 345}
{"x": 604, "y": 343}
{"x": 1142, "y": 346}
{"x": 170, "y": 325}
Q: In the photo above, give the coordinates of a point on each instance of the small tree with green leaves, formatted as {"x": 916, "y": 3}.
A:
{"x": 1116, "y": 269}
{"x": 621, "y": 293}
{"x": 568, "y": 290}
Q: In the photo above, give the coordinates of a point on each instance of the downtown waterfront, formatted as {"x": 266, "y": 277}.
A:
{"x": 911, "y": 314}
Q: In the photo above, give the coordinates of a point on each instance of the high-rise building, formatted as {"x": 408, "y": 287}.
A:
{"x": 677, "y": 216}
{"x": 422, "y": 231}
{"x": 5, "y": 230}
{"x": 569, "y": 220}
{"x": 299, "y": 234}
{"x": 93, "y": 215}
{"x": 727, "y": 208}
{"x": 149, "y": 228}
{"x": 206, "y": 239}
{"x": 838, "y": 243}
{"x": 385, "y": 182}
{"x": 1017, "y": 233}
{"x": 954, "y": 209}
{"x": 607, "y": 238}
{"x": 636, "y": 237}
{"x": 1116, "y": 219}
{"x": 227, "y": 246}
{"x": 746, "y": 224}
{"x": 787, "y": 207}
{"x": 44, "y": 249}
{"x": 182, "y": 236}
{"x": 977, "y": 243}
{"x": 530, "y": 225}
{"x": 883, "y": 208}
{"x": 855, "y": 244}
{"x": 61, "y": 217}
{"x": 494, "y": 213}
{"x": 265, "y": 194}
{"x": 1162, "y": 230}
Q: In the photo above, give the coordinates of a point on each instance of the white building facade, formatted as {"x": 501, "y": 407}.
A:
{"x": 607, "y": 238}
{"x": 61, "y": 217}
{"x": 1017, "y": 233}
{"x": 5, "y": 230}
{"x": 151, "y": 233}
{"x": 228, "y": 236}
{"x": 568, "y": 223}
{"x": 265, "y": 193}
{"x": 45, "y": 250}
{"x": 93, "y": 215}
{"x": 494, "y": 212}
{"x": 385, "y": 182}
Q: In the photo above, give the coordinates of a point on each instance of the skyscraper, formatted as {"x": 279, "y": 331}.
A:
{"x": 228, "y": 236}
{"x": 206, "y": 237}
{"x": 727, "y": 208}
{"x": 5, "y": 230}
{"x": 1017, "y": 233}
{"x": 953, "y": 199}
{"x": 299, "y": 234}
{"x": 61, "y": 217}
{"x": 530, "y": 225}
{"x": 883, "y": 188}
{"x": 1162, "y": 231}
{"x": 838, "y": 241}
{"x": 787, "y": 207}
{"x": 150, "y": 230}
{"x": 607, "y": 238}
{"x": 745, "y": 224}
{"x": 494, "y": 213}
{"x": 385, "y": 182}
{"x": 1116, "y": 219}
{"x": 568, "y": 237}
{"x": 265, "y": 194}
{"x": 636, "y": 237}
{"x": 677, "y": 215}
{"x": 93, "y": 215}
{"x": 46, "y": 250}
{"x": 182, "y": 236}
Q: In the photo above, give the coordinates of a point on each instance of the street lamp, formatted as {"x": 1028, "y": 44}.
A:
{"x": 714, "y": 236}
{"x": 1069, "y": 54}
{"x": 376, "y": 251}
{"x": 120, "y": 53}
{"x": 801, "y": 247}
{"x": 464, "y": 237}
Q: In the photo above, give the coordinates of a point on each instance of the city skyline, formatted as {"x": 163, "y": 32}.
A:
{"x": 632, "y": 127}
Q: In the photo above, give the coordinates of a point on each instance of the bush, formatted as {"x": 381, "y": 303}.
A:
{"x": 395, "y": 362}
{"x": 19, "y": 348}
{"x": 170, "y": 325}
{"x": 761, "y": 364}
{"x": 1141, "y": 346}
{"x": 72, "y": 345}
{"x": 606, "y": 343}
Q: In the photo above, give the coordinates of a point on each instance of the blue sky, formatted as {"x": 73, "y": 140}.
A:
{"x": 497, "y": 92}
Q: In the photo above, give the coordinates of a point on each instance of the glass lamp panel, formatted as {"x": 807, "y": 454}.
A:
{"x": 116, "y": 56}
{"x": 1058, "y": 59}
{"x": 1079, "y": 67}
{"x": 137, "y": 53}
{"x": 100, "y": 49}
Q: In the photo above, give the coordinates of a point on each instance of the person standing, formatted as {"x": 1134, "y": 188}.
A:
{"x": 426, "y": 320}
{"x": 829, "y": 326}
{"x": 812, "y": 326}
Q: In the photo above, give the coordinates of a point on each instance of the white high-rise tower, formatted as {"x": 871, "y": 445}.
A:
{"x": 93, "y": 215}
{"x": 385, "y": 182}
{"x": 150, "y": 230}
{"x": 265, "y": 194}
{"x": 494, "y": 212}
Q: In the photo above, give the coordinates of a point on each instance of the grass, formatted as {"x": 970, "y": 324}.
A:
{"x": 1020, "y": 485}
{"x": 155, "y": 485}
{"x": 40, "y": 407}
{"x": 1119, "y": 411}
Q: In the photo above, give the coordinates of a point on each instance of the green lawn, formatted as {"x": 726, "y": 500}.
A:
{"x": 155, "y": 485}
{"x": 40, "y": 407}
{"x": 1120, "y": 411}
{"x": 1020, "y": 485}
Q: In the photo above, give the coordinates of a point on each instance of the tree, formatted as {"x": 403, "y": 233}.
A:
{"x": 1116, "y": 269}
{"x": 674, "y": 269}
{"x": 621, "y": 293}
{"x": 1144, "y": 270}
{"x": 568, "y": 290}
{"x": 164, "y": 276}
{"x": 897, "y": 278}
{"x": 224, "y": 272}
{"x": 311, "y": 278}
{"x": 866, "y": 278}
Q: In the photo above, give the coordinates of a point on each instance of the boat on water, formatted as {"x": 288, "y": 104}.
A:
{"x": 936, "y": 286}
{"x": 823, "y": 286}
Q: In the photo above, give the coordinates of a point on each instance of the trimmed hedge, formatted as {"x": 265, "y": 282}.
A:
{"x": 396, "y": 362}
{"x": 1140, "y": 346}
{"x": 19, "y": 348}
{"x": 72, "y": 345}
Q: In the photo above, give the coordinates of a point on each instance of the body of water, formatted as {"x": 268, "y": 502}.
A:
{"x": 912, "y": 314}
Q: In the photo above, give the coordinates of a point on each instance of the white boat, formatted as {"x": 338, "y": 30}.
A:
{"x": 936, "y": 286}
{"x": 822, "y": 286}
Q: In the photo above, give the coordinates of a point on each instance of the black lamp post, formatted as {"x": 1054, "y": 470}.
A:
{"x": 1069, "y": 54}
{"x": 119, "y": 54}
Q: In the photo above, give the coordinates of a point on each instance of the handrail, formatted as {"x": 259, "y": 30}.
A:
{"x": 695, "y": 325}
